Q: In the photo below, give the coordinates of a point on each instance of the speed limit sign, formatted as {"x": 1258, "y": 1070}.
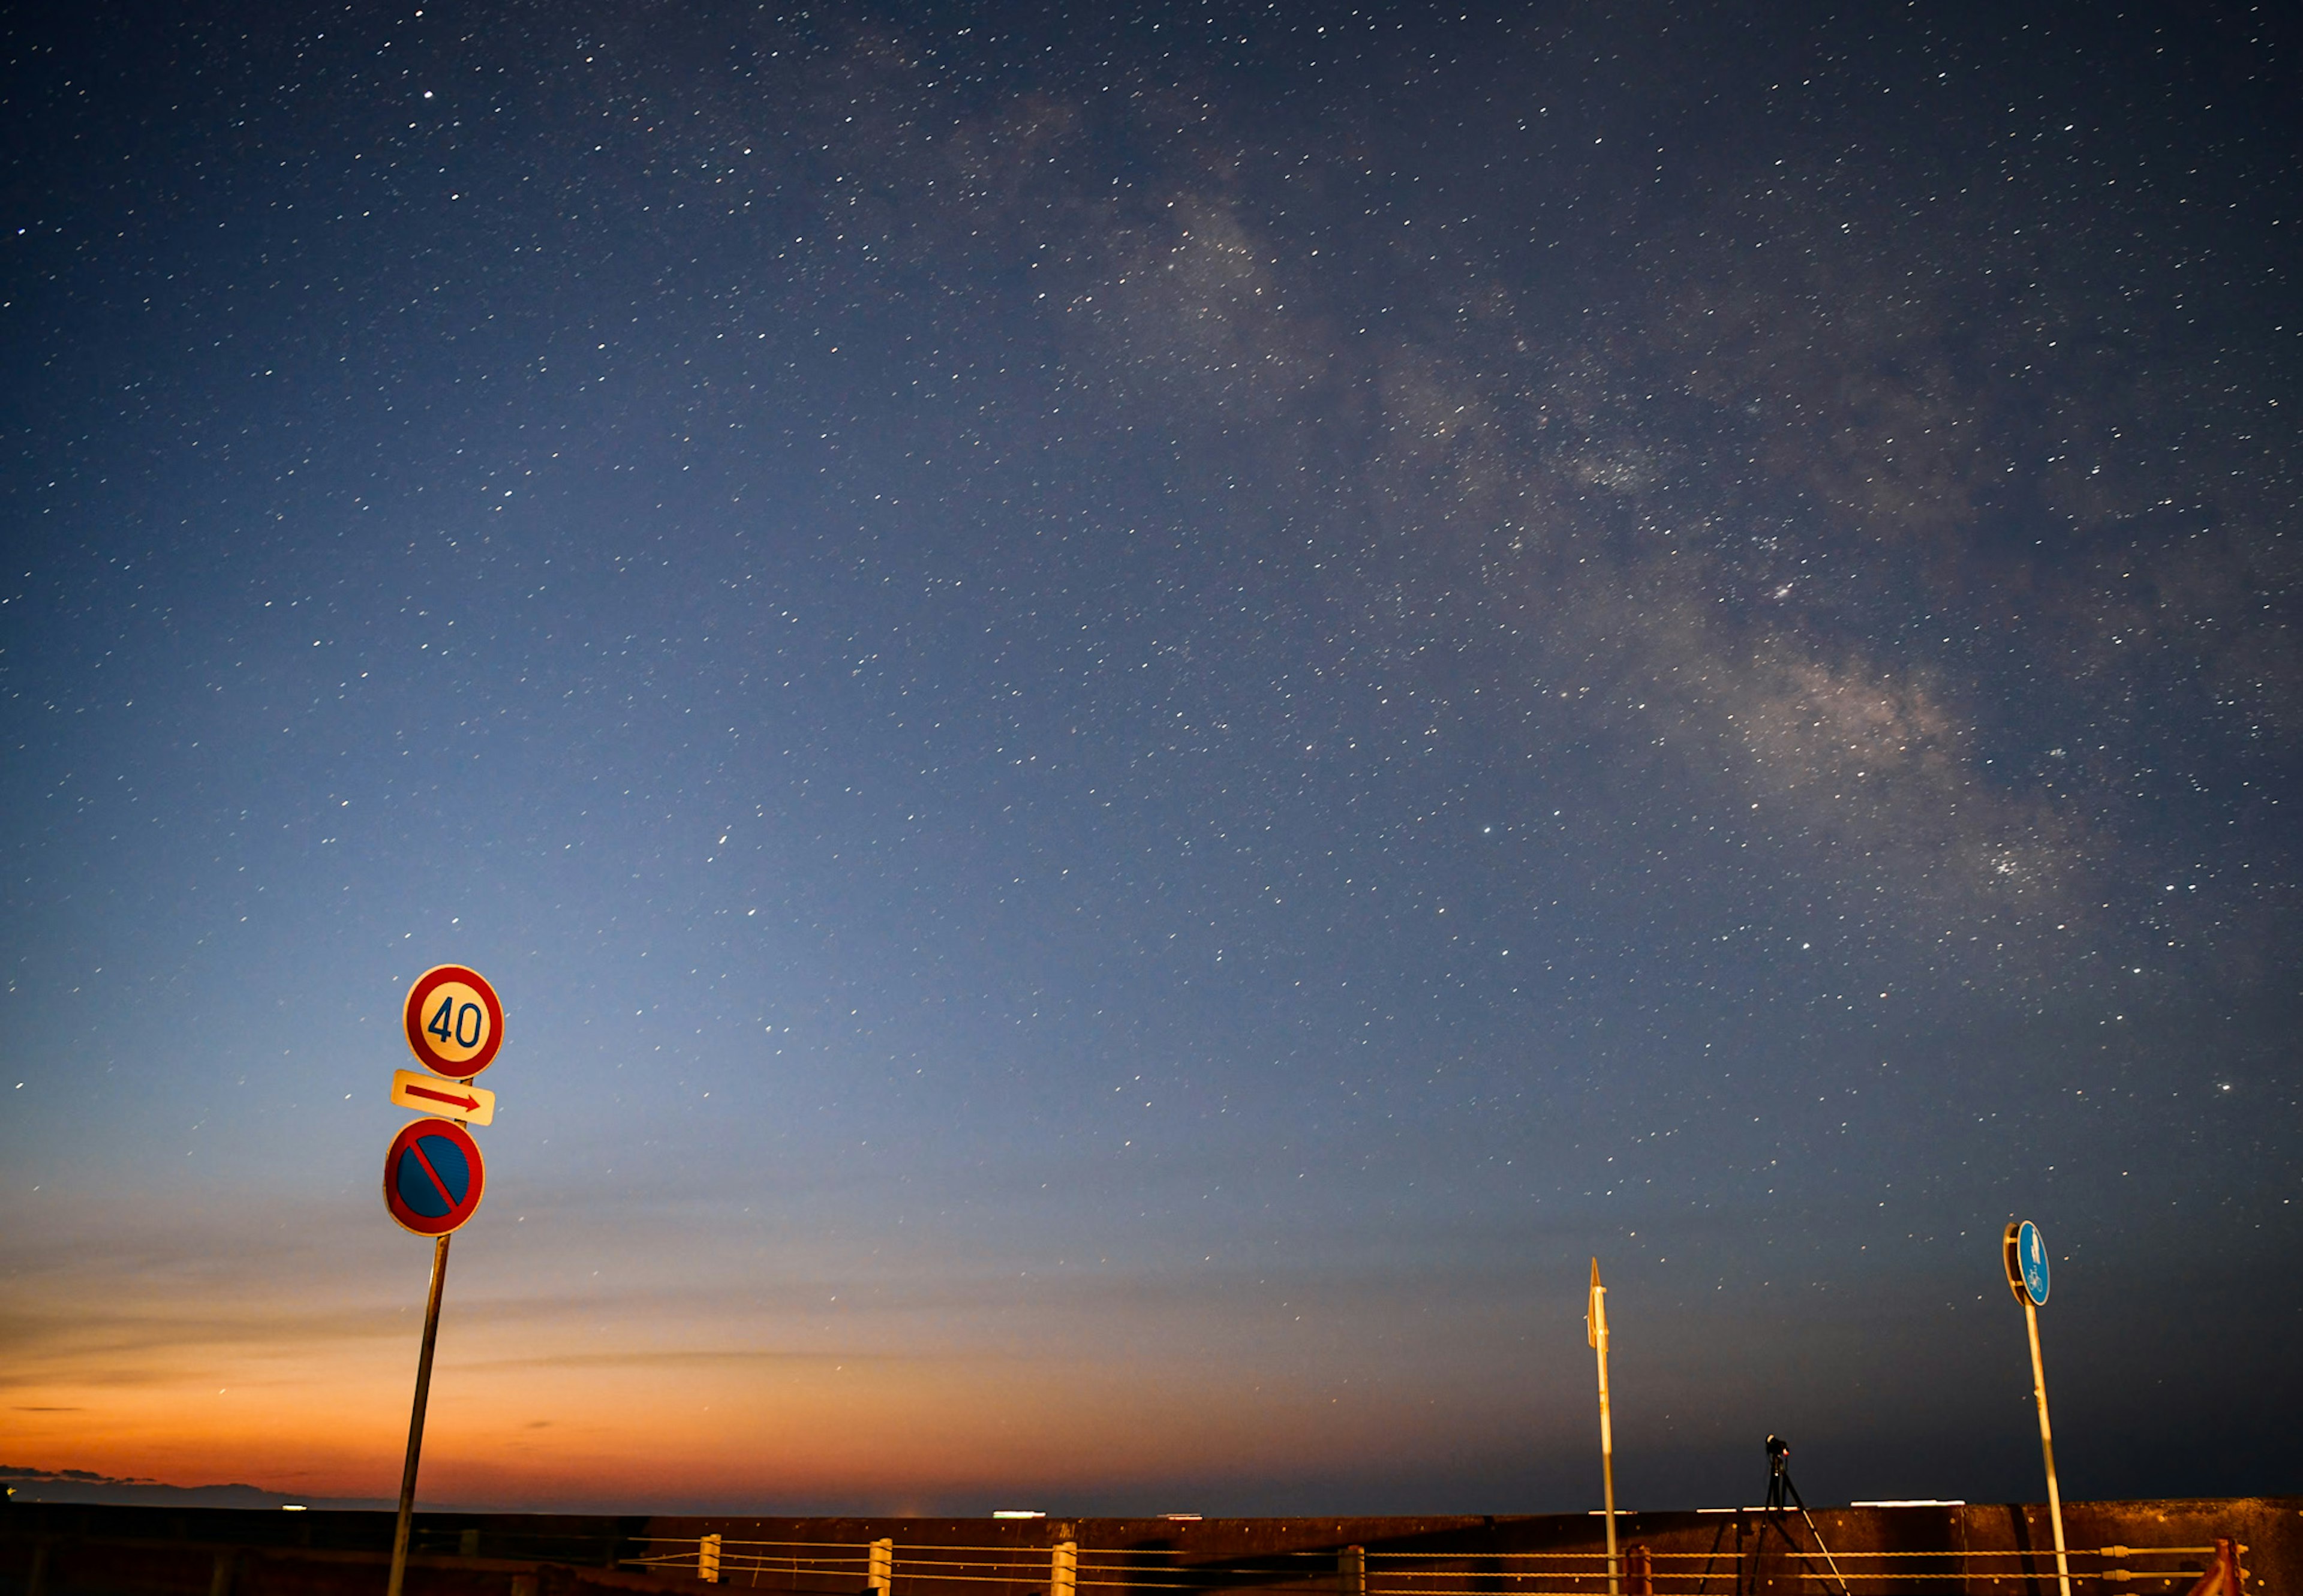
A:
{"x": 454, "y": 1022}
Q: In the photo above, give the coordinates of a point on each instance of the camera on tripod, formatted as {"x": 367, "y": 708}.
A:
{"x": 1782, "y": 1494}
{"x": 1779, "y": 1474}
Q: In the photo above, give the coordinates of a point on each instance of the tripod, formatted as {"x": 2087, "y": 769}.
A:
{"x": 1783, "y": 1494}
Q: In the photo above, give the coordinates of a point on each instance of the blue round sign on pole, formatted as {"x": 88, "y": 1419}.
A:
{"x": 2031, "y": 1257}
{"x": 433, "y": 1177}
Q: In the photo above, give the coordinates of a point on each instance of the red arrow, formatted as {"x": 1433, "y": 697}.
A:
{"x": 467, "y": 1104}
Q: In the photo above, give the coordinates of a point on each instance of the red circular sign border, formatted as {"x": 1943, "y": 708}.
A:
{"x": 457, "y": 1216}
{"x": 412, "y": 1019}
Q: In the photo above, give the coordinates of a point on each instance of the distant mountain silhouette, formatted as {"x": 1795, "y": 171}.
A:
{"x": 83, "y": 1485}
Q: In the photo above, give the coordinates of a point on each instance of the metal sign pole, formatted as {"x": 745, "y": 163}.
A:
{"x": 1598, "y": 1334}
{"x": 2047, "y": 1445}
{"x": 423, "y": 1390}
{"x": 2024, "y": 1251}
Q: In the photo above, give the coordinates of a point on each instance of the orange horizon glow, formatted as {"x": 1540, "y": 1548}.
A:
{"x": 540, "y": 1396}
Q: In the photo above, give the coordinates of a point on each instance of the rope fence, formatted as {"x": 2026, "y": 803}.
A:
{"x": 877, "y": 1567}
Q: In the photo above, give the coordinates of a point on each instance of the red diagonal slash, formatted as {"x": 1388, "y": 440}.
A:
{"x": 467, "y": 1103}
{"x": 416, "y": 1147}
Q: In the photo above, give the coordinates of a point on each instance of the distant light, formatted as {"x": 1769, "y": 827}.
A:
{"x": 1917, "y": 1501}
{"x": 1181, "y": 1517}
{"x": 292, "y": 1507}
{"x": 1016, "y": 1513}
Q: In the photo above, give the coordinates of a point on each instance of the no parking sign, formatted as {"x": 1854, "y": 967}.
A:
{"x": 433, "y": 1177}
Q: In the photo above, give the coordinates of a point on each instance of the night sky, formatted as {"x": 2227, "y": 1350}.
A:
{"x": 1145, "y": 713}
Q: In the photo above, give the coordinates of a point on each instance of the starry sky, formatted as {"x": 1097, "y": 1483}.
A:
{"x": 1146, "y": 713}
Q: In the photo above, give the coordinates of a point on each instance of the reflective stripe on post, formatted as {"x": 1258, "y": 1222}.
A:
{"x": 707, "y": 1559}
{"x": 879, "y": 1572}
{"x": 1063, "y": 1568}
{"x": 1351, "y": 1571}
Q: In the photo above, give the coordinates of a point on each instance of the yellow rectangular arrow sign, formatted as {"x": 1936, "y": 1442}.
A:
{"x": 448, "y": 1100}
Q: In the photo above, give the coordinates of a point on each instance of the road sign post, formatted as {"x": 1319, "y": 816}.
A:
{"x": 400, "y": 1533}
{"x": 433, "y": 1176}
{"x": 1595, "y": 1330}
{"x": 2024, "y": 1251}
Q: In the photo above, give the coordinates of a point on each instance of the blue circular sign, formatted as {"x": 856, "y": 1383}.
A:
{"x": 2031, "y": 1258}
{"x": 433, "y": 1177}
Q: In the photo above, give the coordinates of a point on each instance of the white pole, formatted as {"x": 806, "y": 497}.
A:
{"x": 2047, "y": 1444}
{"x": 1596, "y": 1331}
